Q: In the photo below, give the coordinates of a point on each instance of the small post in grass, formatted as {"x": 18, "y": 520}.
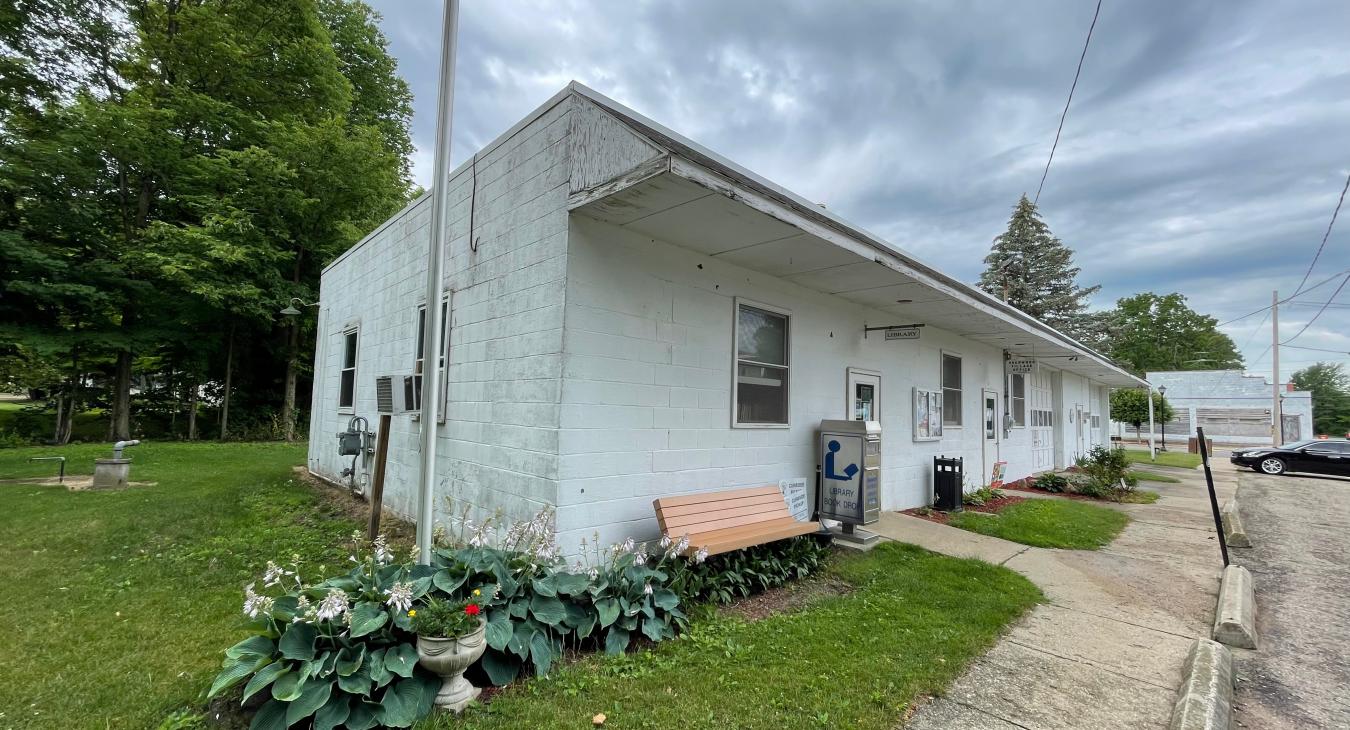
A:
{"x": 1213, "y": 498}
{"x": 377, "y": 485}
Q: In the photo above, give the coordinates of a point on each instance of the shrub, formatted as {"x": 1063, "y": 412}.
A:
{"x": 727, "y": 576}
{"x": 1106, "y": 466}
{"x": 980, "y": 496}
{"x": 1051, "y": 482}
{"x": 437, "y": 617}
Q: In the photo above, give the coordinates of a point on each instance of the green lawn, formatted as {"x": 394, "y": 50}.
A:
{"x": 1153, "y": 476}
{"x": 121, "y": 602}
{"x": 20, "y": 418}
{"x": 1179, "y": 459}
{"x": 1052, "y": 523}
{"x": 858, "y": 660}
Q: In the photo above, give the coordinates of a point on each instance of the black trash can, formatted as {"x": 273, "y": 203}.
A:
{"x": 948, "y": 476}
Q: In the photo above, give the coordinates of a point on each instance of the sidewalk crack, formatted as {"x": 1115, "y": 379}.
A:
{"x": 1010, "y": 557}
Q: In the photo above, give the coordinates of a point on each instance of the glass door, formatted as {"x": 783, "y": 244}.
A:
{"x": 864, "y": 395}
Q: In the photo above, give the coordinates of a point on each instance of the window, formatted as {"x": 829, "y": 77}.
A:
{"x": 347, "y": 379}
{"x": 1096, "y": 421}
{"x": 1017, "y": 406}
{"x": 761, "y": 384}
{"x": 951, "y": 390}
{"x": 421, "y": 350}
{"x": 1042, "y": 418}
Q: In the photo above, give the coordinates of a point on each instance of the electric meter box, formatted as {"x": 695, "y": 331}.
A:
{"x": 850, "y": 471}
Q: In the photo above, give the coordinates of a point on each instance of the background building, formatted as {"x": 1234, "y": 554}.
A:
{"x": 1232, "y": 406}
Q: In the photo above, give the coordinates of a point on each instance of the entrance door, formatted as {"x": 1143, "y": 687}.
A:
{"x": 864, "y": 395}
{"x": 990, "y": 441}
{"x": 1079, "y": 429}
{"x": 1291, "y": 430}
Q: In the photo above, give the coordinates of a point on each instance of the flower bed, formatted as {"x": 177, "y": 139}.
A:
{"x": 341, "y": 650}
{"x": 991, "y": 506}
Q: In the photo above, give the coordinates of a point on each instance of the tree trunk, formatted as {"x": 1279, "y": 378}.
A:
{"x": 60, "y": 418}
{"x": 121, "y": 406}
{"x": 225, "y": 398}
{"x": 192, "y": 410}
{"x": 292, "y": 366}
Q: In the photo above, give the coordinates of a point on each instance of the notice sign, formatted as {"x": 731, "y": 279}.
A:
{"x": 841, "y": 478}
{"x": 1021, "y": 365}
{"x": 795, "y": 495}
{"x": 902, "y": 333}
{"x": 996, "y": 477}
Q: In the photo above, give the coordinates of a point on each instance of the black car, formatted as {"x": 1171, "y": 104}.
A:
{"x": 1315, "y": 456}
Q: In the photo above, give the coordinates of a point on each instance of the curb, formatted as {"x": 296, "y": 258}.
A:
{"x": 1235, "y": 619}
{"x": 1233, "y": 531}
{"x": 1206, "y": 695}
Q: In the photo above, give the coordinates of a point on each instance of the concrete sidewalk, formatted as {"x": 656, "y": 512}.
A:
{"x": 1108, "y": 647}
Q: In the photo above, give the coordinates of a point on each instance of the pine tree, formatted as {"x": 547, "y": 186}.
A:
{"x": 1032, "y": 270}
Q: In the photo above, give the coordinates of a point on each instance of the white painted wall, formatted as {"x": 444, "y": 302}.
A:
{"x": 499, "y": 442}
{"x": 647, "y": 372}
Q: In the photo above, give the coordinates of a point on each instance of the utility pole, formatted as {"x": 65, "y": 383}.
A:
{"x": 431, "y": 341}
{"x": 1276, "y": 418}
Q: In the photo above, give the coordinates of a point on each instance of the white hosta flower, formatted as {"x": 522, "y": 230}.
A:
{"x": 383, "y": 555}
{"x": 628, "y": 545}
{"x": 332, "y": 606}
{"x": 639, "y": 558}
{"x": 415, "y": 553}
{"x": 274, "y": 573}
{"x": 303, "y": 611}
{"x": 594, "y": 572}
{"x": 400, "y": 597}
{"x": 701, "y": 555}
{"x": 682, "y": 545}
{"x": 647, "y": 588}
{"x": 255, "y": 604}
{"x": 665, "y": 541}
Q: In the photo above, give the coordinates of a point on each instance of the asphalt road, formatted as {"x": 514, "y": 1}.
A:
{"x": 1299, "y": 677}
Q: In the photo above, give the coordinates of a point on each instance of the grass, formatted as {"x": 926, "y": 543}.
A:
{"x": 21, "y": 419}
{"x": 121, "y": 602}
{"x": 1153, "y": 476}
{"x": 858, "y": 660}
{"x": 1179, "y": 459}
{"x": 1051, "y": 523}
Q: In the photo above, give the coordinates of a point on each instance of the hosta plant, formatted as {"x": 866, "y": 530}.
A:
{"x": 337, "y": 652}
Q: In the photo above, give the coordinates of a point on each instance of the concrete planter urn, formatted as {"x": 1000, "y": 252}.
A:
{"x": 447, "y": 658}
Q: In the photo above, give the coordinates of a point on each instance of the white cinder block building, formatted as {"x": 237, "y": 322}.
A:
{"x": 1232, "y": 406}
{"x": 631, "y": 315}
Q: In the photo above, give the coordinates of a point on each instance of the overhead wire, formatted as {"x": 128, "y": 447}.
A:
{"x": 1320, "y": 311}
{"x": 1325, "y": 236}
{"x": 1068, "y": 101}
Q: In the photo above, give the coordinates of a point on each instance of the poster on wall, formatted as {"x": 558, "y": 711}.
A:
{"x": 996, "y": 477}
{"x": 927, "y": 414}
{"x": 795, "y": 495}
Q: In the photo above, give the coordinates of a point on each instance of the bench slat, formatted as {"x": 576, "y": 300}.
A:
{"x": 718, "y": 505}
{"x": 684, "y": 499}
{"x": 711, "y": 524}
{"x": 763, "y": 512}
{"x": 721, "y": 541}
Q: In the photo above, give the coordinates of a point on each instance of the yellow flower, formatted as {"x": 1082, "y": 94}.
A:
{"x": 412, "y": 613}
{"x": 477, "y": 592}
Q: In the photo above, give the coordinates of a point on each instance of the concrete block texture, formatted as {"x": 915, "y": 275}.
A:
{"x": 1205, "y": 700}
{"x": 1233, "y": 531}
{"x": 1235, "y": 619}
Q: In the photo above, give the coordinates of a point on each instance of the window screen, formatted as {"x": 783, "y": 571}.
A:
{"x": 761, "y": 366}
{"x": 347, "y": 385}
{"x": 951, "y": 390}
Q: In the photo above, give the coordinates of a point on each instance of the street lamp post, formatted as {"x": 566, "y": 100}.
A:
{"x": 1162, "y": 391}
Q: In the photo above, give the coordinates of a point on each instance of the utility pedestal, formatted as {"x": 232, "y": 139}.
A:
{"x": 111, "y": 473}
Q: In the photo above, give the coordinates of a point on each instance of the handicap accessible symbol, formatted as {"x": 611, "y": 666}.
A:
{"x": 849, "y": 470}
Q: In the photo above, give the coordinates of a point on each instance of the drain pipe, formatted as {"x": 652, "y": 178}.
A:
{"x": 117, "y": 447}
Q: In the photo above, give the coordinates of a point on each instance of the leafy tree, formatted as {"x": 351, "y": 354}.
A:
{"x": 1032, "y": 270}
{"x": 1130, "y": 405}
{"x": 1330, "y": 386}
{"x": 1152, "y": 332}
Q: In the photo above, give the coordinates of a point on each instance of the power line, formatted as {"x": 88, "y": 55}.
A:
{"x": 1316, "y": 349}
{"x": 1325, "y": 236}
{"x": 1320, "y": 311}
{"x": 1068, "y": 101}
{"x": 1283, "y": 301}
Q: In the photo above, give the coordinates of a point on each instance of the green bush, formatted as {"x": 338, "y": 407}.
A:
{"x": 981, "y": 496}
{"x": 1106, "y": 466}
{"x": 437, "y": 617}
{"x": 1051, "y": 482}
{"x": 740, "y": 573}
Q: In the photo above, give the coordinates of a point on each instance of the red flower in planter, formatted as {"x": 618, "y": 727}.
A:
{"x": 472, "y": 609}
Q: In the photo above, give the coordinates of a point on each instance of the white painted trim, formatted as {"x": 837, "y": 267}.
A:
{"x": 736, "y": 360}
{"x": 942, "y": 385}
{"x": 849, "y": 372}
{"x": 353, "y": 329}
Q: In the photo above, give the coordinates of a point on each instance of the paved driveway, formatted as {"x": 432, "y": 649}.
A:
{"x": 1300, "y": 675}
{"x": 1108, "y": 647}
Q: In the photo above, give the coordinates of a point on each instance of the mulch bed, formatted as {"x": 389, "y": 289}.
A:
{"x": 993, "y": 507}
{"x": 1067, "y": 495}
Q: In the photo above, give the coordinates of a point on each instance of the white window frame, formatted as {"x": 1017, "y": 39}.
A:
{"x": 1013, "y": 399}
{"x": 942, "y": 383}
{"x": 851, "y": 376}
{"x": 737, "y": 303}
{"x": 419, "y": 326}
{"x": 348, "y": 331}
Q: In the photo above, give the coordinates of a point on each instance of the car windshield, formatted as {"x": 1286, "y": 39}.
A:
{"x": 1299, "y": 444}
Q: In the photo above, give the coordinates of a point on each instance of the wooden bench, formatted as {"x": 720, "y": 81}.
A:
{"x": 729, "y": 520}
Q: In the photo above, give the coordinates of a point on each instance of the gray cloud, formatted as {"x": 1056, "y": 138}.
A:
{"x": 1203, "y": 154}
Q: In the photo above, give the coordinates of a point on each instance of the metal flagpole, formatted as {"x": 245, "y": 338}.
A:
{"x": 431, "y": 360}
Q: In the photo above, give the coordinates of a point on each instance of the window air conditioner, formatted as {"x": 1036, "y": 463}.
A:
{"x": 394, "y": 394}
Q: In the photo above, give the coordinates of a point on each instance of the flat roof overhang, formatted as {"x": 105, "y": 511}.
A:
{"x": 687, "y": 204}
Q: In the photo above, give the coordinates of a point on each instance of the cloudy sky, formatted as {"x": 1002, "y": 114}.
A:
{"x": 1204, "y": 153}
